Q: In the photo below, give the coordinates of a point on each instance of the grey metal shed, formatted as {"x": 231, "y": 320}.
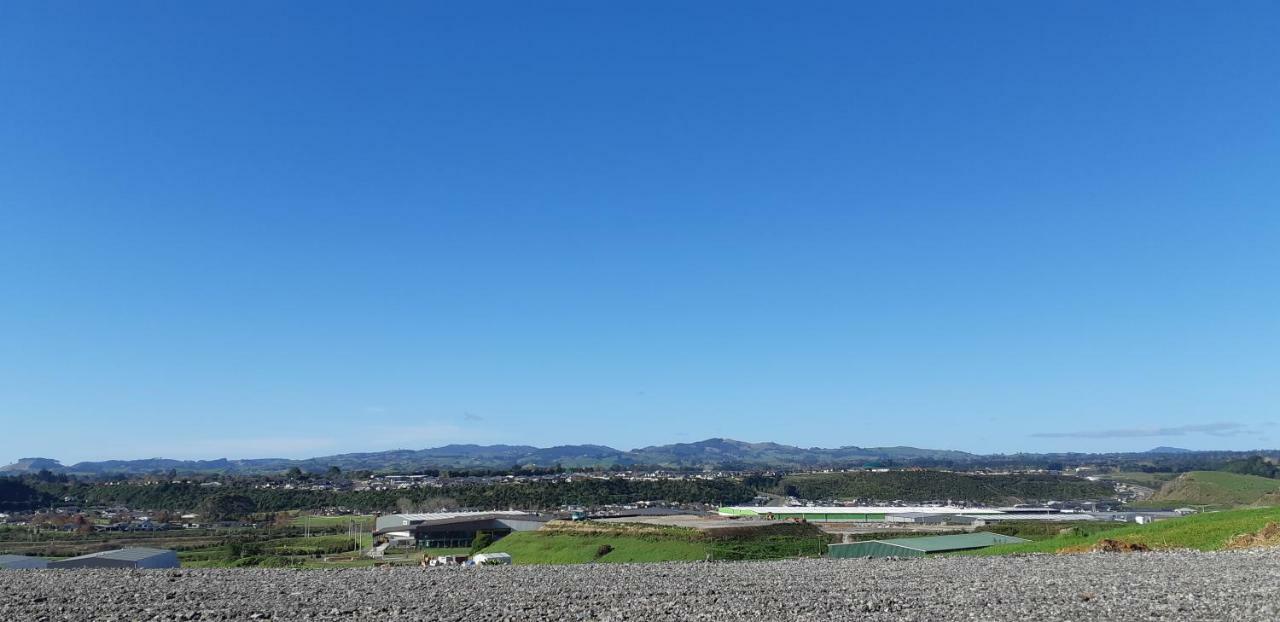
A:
{"x": 22, "y": 562}
{"x": 140, "y": 557}
{"x": 920, "y": 547}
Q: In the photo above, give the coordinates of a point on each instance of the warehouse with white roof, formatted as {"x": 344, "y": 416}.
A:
{"x": 853, "y": 514}
{"x": 454, "y": 529}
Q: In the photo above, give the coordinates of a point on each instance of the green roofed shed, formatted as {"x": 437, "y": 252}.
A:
{"x": 919, "y": 547}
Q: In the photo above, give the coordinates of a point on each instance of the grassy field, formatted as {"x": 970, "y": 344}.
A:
{"x": 577, "y": 543}
{"x": 307, "y": 552}
{"x": 1046, "y": 530}
{"x": 534, "y": 547}
{"x": 1205, "y": 532}
{"x": 1216, "y": 487}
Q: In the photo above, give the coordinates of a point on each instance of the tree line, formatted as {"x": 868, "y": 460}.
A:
{"x": 528, "y": 496}
{"x": 921, "y": 486}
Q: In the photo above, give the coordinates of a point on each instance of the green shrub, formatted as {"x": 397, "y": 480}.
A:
{"x": 482, "y": 540}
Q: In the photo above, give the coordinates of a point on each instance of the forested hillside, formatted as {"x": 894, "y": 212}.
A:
{"x": 16, "y": 495}
{"x": 539, "y": 495}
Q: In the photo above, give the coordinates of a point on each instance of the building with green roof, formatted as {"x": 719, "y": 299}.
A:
{"x": 920, "y": 547}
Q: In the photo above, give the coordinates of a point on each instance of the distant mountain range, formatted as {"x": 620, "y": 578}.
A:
{"x": 711, "y": 453}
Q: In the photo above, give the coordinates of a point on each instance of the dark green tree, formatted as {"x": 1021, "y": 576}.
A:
{"x": 226, "y": 507}
{"x": 482, "y": 541}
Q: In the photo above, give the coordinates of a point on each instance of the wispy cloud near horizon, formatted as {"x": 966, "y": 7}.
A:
{"x": 1220, "y": 429}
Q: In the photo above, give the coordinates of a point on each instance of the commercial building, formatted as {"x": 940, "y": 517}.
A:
{"x": 140, "y": 557}
{"x": 454, "y": 529}
{"x": 919, "y": 518}
{"x": 985, "y": 519}
{"x": 22, "y": 562}
{"x": 920, "y": 547}
{"x": 854, "y": 514}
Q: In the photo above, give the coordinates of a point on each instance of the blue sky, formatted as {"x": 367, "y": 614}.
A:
{"x": 253, "y": 229}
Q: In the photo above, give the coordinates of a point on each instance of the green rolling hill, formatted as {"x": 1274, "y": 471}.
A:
{"x": 1210, "y": 531}
{"x": 1218, "y": 488}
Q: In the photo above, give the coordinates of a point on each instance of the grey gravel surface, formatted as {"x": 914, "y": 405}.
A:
{"x": 1149, "y": 586}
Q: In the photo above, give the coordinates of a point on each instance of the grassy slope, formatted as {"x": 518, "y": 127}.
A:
{"x": 1217, "y": 487}
{"x": 575, "y": 543}
{"x": 1205, "y": 532}
{"x": 536, "y": 547}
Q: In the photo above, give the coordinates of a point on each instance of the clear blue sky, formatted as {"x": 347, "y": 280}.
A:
{"x": 253, "y": 229}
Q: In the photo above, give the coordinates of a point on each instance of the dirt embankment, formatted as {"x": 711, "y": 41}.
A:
{"x": 1267, "y": 536}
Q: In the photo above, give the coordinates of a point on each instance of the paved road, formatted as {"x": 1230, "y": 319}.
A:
{"x": 1151, "y": 586}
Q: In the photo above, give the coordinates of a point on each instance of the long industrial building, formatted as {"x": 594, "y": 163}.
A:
{"x": 140, "y": 557}
{"x": 854, "y": 514}
{"x": 454, "y": 529}
{"x": 920, "y": 547}
{"x": 22, "y": 562}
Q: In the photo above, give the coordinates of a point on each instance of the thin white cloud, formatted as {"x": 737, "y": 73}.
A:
{"x": 1221, "y": 429}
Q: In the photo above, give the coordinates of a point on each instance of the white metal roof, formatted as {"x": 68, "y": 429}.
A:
{"x": 867, "y": 509}
{"x": 131, "y": 554}
{"x": 1048, "y": 518}
{"x": 451, "y": 515}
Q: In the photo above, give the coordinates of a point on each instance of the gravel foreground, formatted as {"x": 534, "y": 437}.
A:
{"x": 1238, "y": 585}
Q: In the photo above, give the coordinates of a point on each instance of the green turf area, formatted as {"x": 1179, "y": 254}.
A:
{"x": 314, "y": 544}
{"x": 767, "y": 547}
{"x": 582, "y": 542}
{"x": 1217, "y": 487}
{"x": 1206, "y": 532}
{"x": 535, "y": 547}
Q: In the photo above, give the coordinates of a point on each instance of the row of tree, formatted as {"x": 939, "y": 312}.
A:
{"x": 920, "y": 486}
{"x": 227, "y": 502}
{"x": 1253, "y": 465}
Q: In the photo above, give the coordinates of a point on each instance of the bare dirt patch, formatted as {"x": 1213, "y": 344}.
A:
{"x": 1269, "y": 535}
{"x": 1108, "y": 545}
